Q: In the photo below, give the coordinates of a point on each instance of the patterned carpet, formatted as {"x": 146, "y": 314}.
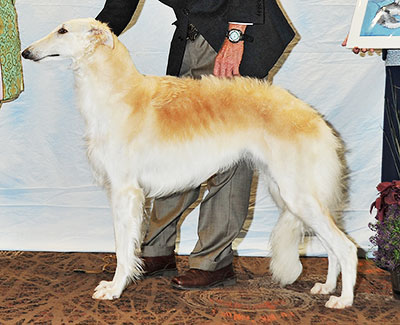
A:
{"x": 43, "y": 288}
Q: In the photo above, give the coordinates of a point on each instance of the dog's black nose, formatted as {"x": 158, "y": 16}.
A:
{"x": 26, "y": 54}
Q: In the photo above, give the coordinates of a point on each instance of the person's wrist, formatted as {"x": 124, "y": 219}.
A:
{"x": 235, "y": 35}
{"x": 241, "y": 27}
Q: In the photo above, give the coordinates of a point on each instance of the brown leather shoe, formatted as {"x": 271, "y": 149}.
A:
{"x": 195, "y": 279}
{"x": 159, "y": 266}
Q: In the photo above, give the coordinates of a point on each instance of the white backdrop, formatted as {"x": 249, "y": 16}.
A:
{"x": 48, "y": 200}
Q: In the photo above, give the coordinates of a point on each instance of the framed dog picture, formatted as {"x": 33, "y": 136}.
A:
{"x": 375, "y": 24}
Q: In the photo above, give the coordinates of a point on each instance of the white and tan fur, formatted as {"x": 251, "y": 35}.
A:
{"x": 151, "y": 136}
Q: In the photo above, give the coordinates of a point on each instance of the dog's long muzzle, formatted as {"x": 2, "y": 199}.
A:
{"x": 29, "y": 55}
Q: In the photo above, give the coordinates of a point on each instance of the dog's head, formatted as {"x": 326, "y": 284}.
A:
{"x": 72, "y": 39}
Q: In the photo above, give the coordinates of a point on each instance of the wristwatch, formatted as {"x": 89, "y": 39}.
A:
{"x": 234, "y": 35}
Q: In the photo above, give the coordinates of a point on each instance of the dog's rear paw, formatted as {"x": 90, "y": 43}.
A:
{"x": 106, "y": 290}
{"x": 339, "y": 302}
{"x": 322, "y": 289}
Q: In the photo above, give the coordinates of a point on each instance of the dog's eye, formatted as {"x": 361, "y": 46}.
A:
{"x": 62, "y": 30}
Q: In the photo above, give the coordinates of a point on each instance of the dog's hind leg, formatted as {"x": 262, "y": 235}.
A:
{"x": 285, "y": 263}
{"x": 127, "y": 206}
{"x": 342, "y": 256}
{"x": 333, "y": 271}
{"x": 318, "y": 218}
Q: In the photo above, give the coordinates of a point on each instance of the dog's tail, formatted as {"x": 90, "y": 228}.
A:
{"x": 285, "y": 264}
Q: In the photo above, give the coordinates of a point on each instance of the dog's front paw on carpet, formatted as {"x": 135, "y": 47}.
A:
{"x": 106, "y": 290}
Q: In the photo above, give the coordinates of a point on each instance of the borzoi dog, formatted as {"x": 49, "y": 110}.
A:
{"x": 386, "y": 16}
{"x": 151, "y": 136}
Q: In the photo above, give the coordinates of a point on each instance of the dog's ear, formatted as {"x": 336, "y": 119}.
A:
{"x": 103, "y": 35}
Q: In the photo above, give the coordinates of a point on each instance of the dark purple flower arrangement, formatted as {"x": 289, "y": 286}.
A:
{"x": 387, "y": 226}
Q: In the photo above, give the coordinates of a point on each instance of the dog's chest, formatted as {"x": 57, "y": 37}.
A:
{"x": 99, "y": 141}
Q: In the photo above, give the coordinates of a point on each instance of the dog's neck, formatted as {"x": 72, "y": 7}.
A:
{"x": 103, "y": 78}
{"x": 114, "y": 61}
{"x": 109, "y": 69}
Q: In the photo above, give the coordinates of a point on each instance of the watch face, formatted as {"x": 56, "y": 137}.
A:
{"x": 235, "y": 35}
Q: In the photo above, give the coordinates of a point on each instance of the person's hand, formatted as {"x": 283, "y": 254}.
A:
{"x": 229, "y": 56}
{"x": 357, "y": 50}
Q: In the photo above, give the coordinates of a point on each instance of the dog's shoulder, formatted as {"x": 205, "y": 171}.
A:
{"x": 169, "y": 88}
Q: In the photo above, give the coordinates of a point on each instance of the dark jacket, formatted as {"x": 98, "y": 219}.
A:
{"x": 270, "y": 31}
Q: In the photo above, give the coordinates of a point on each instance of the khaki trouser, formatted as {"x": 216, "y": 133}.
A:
{"x": 223, "y": 210}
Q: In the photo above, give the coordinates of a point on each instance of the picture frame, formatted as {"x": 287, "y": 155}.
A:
{"x": 375, "y": 24}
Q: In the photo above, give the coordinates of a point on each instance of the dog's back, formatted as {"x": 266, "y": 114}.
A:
{"x": 230, "y": 105}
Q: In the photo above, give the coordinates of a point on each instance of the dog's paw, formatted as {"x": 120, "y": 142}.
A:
{"x": 106, "y": 290}
{"x": 321, "y": 289}
{"x": 104, "y": 285}
{"x": 339, "y": 302}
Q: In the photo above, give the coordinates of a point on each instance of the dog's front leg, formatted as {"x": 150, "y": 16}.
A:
{"x": 127, "y": 205}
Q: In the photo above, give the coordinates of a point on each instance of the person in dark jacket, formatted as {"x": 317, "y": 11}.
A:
{"x": 225, "y": 38}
